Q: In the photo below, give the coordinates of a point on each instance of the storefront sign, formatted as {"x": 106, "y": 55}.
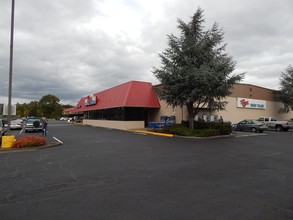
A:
{"x": 251, "y": 103}
{"x": 90, "y": 100}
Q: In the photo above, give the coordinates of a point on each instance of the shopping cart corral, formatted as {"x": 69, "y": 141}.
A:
{"x": 165, "y": 122}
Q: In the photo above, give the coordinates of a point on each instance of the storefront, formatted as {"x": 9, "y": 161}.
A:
{"x": 126, "y": 106}
{"x": 245, "y": 102}
{"x": 134, "y": 104}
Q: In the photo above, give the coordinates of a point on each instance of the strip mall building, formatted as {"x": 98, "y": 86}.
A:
{"x": 134, "y": 104}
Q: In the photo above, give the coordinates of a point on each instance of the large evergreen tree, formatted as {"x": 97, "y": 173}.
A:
{"x": 286, "y": 91}
{"x": 196, "y": 71}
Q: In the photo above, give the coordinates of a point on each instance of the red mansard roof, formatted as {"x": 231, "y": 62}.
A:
{"x": 69, "y": 110}
{"x": 129, "y": 94}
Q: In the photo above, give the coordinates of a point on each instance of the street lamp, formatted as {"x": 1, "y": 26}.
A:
{"x": 10, "y": 68}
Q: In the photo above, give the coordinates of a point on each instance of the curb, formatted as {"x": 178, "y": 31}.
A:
{"x": 12, "y": 150}
{"x": 188, "y": 137}
{"x": 153, "y": 133}
{"x": 205, "y": 138}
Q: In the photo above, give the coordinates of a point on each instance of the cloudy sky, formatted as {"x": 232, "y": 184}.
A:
{"x": 72, "y": 48}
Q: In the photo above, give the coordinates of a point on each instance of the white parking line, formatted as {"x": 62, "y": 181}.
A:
{"x": 58, "y": 140}
{"x": 21, "y": 130}
{"x": 250, "y": 135}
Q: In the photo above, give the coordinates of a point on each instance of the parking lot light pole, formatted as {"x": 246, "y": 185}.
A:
{"x": 10, "y": 68}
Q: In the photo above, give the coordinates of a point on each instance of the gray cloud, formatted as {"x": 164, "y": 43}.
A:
{"x": 74, "y": 48}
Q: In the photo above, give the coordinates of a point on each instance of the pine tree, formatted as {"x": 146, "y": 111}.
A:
{"x": 286, "y": 91}
{"x": 195, "y": 69}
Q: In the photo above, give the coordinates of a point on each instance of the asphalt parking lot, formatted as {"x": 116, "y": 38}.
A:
{"x": 110, "y": 174}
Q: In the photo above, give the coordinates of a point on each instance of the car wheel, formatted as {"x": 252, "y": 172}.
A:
{"x": 253, "y": 129}
{"x": 279, "y": 128}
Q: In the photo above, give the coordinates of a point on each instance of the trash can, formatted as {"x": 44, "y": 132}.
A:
{"x": 7, "y": 141}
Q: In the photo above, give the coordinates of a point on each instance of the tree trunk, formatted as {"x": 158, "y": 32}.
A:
{"x": 191, "y": 122}
{"x": 191, "y": 116}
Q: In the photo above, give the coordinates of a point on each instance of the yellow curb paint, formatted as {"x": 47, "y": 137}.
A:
{"x": 153, "y": 133}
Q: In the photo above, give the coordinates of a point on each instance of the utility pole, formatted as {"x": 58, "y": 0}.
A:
{"x": 10, "y": 68}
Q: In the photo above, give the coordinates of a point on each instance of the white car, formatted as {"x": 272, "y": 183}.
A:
{"x": 63, "y": 119}
{"x": 16, "y": 124}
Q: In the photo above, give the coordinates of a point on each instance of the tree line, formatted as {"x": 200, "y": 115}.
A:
{"x": 48, "y": 106}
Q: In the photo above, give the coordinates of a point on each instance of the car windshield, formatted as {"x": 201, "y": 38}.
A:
{"x": 15, "y": 122}
{"x": 31, "y": 120}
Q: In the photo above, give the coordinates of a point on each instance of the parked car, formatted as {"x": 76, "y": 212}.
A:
{"x": 77, "y": 119}
{"x": 63, "y": 119}
{"x": 2, "y": 130}
{"x": 250, "y": 125}
{"x": 33, "y": 124}
{"x": 16, "y": 124}
{"x": 290, "y": 123}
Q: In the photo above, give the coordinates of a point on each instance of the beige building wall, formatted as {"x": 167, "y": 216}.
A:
{"x": 167, "y": 110}
{"x": 253, "y": 92}
{"x": 233, "y": 113}
{"x": 121, "y": 125}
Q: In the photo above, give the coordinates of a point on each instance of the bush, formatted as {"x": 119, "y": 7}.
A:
{"x": 29, "y": 141}
{"x": 202, "y": 129}
{"x": 201, "y": 125}
{"x": 185, "y": 123}
{"x": 206, "y": 132}
{"x": 178, "y": 129}
{"x": 224, "y": 128}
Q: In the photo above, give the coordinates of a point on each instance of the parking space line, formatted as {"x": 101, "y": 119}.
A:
{"x": 249, "y": 135}
{"x": 61, "y": 142}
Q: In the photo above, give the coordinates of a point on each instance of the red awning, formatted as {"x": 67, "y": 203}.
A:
{"x": 130, "y": 94}
{"x": 69, "y": 111}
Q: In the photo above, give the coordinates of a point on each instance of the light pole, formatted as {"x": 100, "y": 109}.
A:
{"x": 10, "y": 68}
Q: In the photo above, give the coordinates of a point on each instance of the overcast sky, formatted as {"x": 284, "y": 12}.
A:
{"x": 72, "y": 48}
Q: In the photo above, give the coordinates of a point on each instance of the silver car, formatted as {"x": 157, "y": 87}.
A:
{"x": 16, "y": 124}
{"x": 250, "y": 125}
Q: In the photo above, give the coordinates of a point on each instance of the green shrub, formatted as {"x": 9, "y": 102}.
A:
{"x": 178, "y": 129}
{"x": 201, "y": 125}
{"x": 207, "y": 132}
{"x": 202, "y": 129}
{"x": 224, "y": 128}
{"x": 185, "y": 123}
{"x": 29, "y": 141}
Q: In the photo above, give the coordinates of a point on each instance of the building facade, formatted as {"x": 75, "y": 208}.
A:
{"x": 245, "y": 102}
{"x": 126, "y": 106}
{"x": 134, "y": 104}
